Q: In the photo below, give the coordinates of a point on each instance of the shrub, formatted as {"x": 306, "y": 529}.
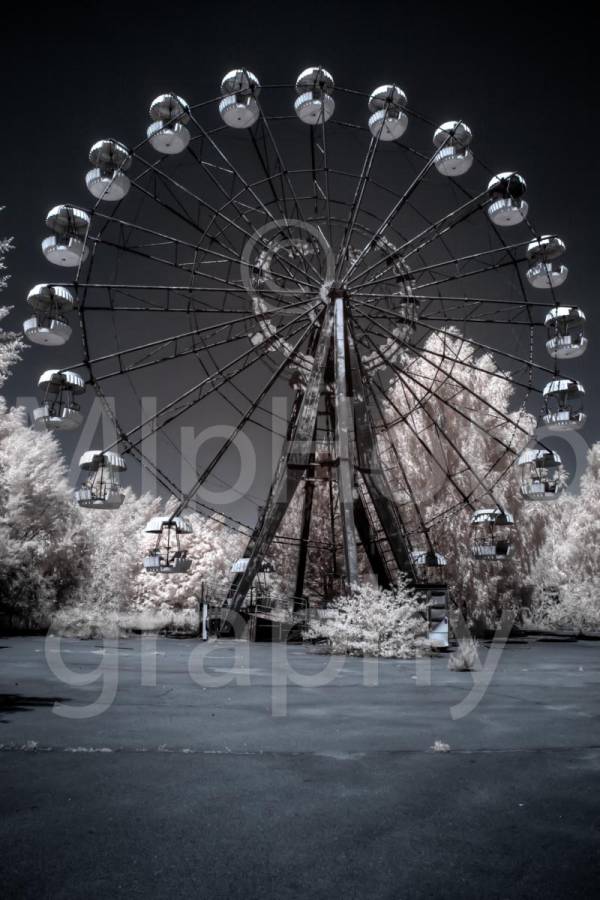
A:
{"x": 466, "y": 657}
{"x": 371, "y": 621}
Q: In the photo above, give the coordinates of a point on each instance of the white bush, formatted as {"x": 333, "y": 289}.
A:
{"x": 466, "y": 657}
{"x": 375, "y": 622}
{"x": 577, "y": 608}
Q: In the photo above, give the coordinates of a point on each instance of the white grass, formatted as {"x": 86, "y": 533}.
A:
{"x": 466, "y": 657}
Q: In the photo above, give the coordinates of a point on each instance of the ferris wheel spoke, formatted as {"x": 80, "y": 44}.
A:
{"x": 359, "y": 192}
{"x": 441, "y": 431}
{"x": 424, "y": 353}
{"x": 242, "y": 422}
{"x": 453, "y": 219}
{"x": 217, "y": 214}
{"x": 228, "y": 371}
{"x": 504, "y": 419}
{"x": 185, "y": 270}
{"x": 235, "y": 200}
{"x": 175, "y": 490}
{"x": 470, "y": 257}
{"x": 516, "y": 312}
{"x": 169, "y": 182}
{"x": 284, "y": 175}
{"x": 181, "y": 212}
{"x": 443, "y": 226}
{"x": 386, "y": 189}
{"x": 465, "y": 301}
{"x": 405, "y": 419}
{"x": 486, "y": 492}
{"x": 166, "y": 239}
{"x": 209, "y": 139}
{"x": 161, "y": 342}
{"x": 449, "y": 375}
{"x": 490, "y": 320}
{"x": 447, "y": 279}
{"x": 271, "y": 414}
{"x": 519, "y": 305}
{"x": 324, "y": 190}
{"x": 462, "y": 315}
{"x": 396, "y": 454}
{"x": 452, "y": 261}
{"x": 161, "y": 477}
{"x": 525, "y": 363}
{"x": 389, "y": 218}
{"x": 172, "y": 242}
{"x": 195, "y": 304}
{"x": 174, "y": 354}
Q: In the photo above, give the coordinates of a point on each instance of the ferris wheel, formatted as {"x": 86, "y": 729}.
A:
{"x": 306, "y": 241}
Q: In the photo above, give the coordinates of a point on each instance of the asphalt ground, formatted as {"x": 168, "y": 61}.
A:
{"x": 168, "y": 768}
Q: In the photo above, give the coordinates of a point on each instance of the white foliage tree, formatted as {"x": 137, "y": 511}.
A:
{"x": 104, "y": 599}
{"x": 464, "y": 416}
{"x": 40, "y": 535}
{"x": 567, "y": 567}
{"x": 39, "y": 529}
{"x": 213, "y": 548}
{"x": 11, "y": 344}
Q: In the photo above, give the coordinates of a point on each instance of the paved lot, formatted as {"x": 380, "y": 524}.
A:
{"x": 298, "y": 776}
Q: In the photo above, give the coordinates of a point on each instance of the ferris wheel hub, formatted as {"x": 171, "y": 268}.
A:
{"x": 332, "y": 290}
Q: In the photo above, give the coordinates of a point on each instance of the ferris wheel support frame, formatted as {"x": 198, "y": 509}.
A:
{"x": 356, "y": 453}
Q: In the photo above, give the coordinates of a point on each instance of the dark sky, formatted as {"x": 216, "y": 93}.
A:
{"x": 520, "y": 77}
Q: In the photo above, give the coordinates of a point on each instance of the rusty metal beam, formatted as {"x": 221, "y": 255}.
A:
{"x": 371, "y": 468}
{"x": 293, "y": 463}
{"x": 344, "y": 432}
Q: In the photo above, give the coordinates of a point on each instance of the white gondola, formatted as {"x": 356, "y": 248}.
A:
{"x": 388, "y": 121}
{"x": 566, "y": 339}
{"x": 167, "y": 133}
{"x": 101, "y": 488}
{"x": 167, "y": 557}
{"x": 239, "y": 108}
{"x": 540, "y": 473}
{"x": 428, "y": 564}
{"x": 453, "y": 157}
{"x": 260, "y": 591}
{"x": 66, "y": 245}
{"x": 506, "y": 192}
{"x": 59, "y": 411}
{"x": 314, "y": 104}
{"x": 240, "y": 566}
{"x": 49, "y": 325}
{"x": 544, "y": 271}
{"x": 490, "y": 534}
{"x": 107, "y": 180}
{"x": 427, "y": 559}
{"x": 563, "y": 405}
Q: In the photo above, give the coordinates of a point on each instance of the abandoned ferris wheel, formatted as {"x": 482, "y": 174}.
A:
{"x": 306, "y": 245}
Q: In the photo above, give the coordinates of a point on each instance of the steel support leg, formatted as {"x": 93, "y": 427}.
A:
{"x": 292, "y": 466}
{"x": 344, "y": 428}
{"x": 371, "y": 469}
